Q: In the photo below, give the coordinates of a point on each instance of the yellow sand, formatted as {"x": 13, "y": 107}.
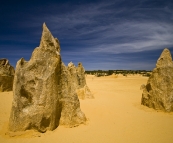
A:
{"x": 115, "y": 116}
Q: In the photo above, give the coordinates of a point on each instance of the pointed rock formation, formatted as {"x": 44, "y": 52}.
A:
{"x": 6, "y": 75}
{"x": 158, "y": 93}
{"x": 39, "y": 90}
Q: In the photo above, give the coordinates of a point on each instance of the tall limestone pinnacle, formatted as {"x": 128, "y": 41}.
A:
{"x": 39, "y": 100}
{"x": 158, "y": 92}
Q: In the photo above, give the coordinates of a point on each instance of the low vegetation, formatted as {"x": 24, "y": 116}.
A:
{"x": 99, "y": 73}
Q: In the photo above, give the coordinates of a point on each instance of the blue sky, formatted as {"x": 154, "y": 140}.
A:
{"x": 114, "y": 34}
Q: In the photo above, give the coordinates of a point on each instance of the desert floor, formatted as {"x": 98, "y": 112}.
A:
{"x": 114, "y": 116}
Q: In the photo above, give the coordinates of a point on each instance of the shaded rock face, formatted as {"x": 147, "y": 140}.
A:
{"x": 6, "y": 75}
{"x": 158, "y": 93}
{"x": 39, "y": 89}
{"x": 71, "y": 114}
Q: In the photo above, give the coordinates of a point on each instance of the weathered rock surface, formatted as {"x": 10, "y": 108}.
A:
{"x": 81, "y": 75}
{"x": 84, "y": 93}
{"x": 71, "y": 114}
{"x": 6, "y": 75}
{"x": 79, "y": 81}
{"x": 158, "y": 93}
{"x": 73, "y": 73}
{"x": 41, "y": 94}
{"x": 83, "y": 90}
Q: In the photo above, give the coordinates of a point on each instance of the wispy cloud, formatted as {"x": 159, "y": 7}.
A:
{"x": 100, "y": 28}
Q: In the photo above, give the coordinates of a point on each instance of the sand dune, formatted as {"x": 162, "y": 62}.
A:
{"x": 114, "y": 116}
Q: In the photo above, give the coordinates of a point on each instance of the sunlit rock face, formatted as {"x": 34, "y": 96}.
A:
{"x": 84, "y": 93}
{"x": 158, "y": 93}
{"x": 40, "y": 97}
{"x": 6, "y": 75}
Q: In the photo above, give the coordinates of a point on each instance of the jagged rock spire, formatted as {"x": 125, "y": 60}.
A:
{"x": 165, "y": 59}
{"x": 158, "y": 93}
{"x": 43, "y": 94}
{"x": 48, "y": 41}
